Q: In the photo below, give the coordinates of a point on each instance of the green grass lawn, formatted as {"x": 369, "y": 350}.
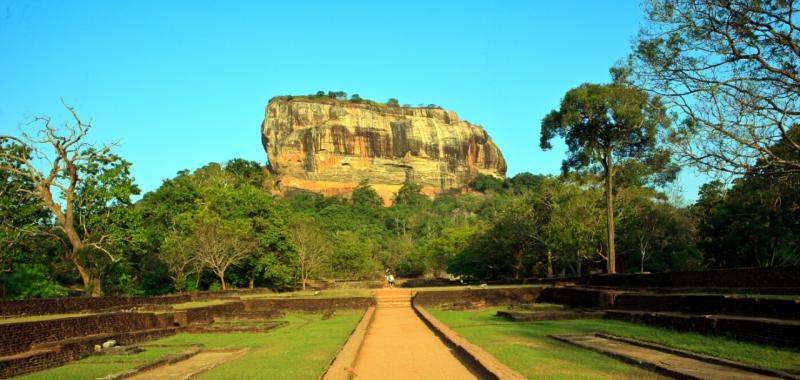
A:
{"x": 301, "y": 349}
{"x": 527, "y": 348}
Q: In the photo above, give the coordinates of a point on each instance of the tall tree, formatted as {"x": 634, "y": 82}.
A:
{"x": 218, "y": 243}
{"x": 732, "y": 70}
{"x": 313, "y": 248}
{"x": 601, "y": 125}
{"x": 352, "y": 256}
{"x": 574, "y": 232}
{"x": 179, "y": 258}
{"x": 58, "y": 161}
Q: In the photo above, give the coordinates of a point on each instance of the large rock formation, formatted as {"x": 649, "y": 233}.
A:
{"x": 329, "y": 146}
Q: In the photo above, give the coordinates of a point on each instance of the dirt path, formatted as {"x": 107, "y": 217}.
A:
{"x": 399, "y": 345}
{"x": 186, "y": 368}
{"x": 689, "y": 367}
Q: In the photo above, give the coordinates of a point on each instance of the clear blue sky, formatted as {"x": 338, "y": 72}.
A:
{"x": 183, "y": 83}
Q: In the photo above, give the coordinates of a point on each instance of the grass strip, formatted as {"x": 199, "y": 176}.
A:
{"x": 526, "y": 347}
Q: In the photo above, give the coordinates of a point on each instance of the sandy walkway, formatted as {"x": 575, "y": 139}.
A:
{"x": 399, "y": 345}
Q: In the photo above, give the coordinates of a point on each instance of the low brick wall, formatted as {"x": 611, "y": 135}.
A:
{"x": 79, "y": 304}
{"x": 19, "y": 337}
{"x": 687, "y": 304}
{"x": 788, "y": 277}
{"x": 208, "y": 313}
{"x": 756, "y": 330}
{"x": 578, "y": 297}
{"x": 308, "y": 304}
{"x": 59, "y": 341}
{"x": 72, "y": 350}
{"x": 487, "y": 297}
{"x": 711, "y": 304}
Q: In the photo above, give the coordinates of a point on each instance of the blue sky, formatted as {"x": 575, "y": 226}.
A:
{"x": 182, "y": 83}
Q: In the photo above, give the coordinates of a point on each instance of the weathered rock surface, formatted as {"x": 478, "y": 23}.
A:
{"x": 329, "y": 146}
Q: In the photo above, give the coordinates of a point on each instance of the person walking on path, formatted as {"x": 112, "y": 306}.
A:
{"x": 389, "y": 277}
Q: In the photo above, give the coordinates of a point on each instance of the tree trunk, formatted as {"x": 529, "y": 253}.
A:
{"x": 251, "y": 282}
{"x": 641, "y": 266}
{"x": 303, "y": 275}
{"x": 86, "y": 278}
{"x": 517, "y": 264}
{"x": 97, "y": 287}
{"x": 549, "y": 263}
{"x": 221, "y": 276}
{"x": 578, "y": 265}
{"x": 643, "y": 251}
{"x": 76, "y": 246}
{"x": 609, "y": 174}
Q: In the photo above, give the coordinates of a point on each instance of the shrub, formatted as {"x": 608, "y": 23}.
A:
{"x": 31, "y": 281}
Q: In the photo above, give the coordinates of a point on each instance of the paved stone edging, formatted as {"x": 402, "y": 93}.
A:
{"x": 169, "y": 359}
{"x": 671, "y": 368}
{"x": 482, "y": 359}
{"x": 701, "y": 357}
{"x": 343, "y": 363}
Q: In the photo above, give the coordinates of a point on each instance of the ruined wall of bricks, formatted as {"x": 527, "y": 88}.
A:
{"x": 78, "y": 304}
{"x": 34, "y": 346}
{"x": 309, "y": 304}
{"x": 781, "y": 278}
{"x": 484, "y": 297}
{"x": 19, "y": 337}
{"x": 700, "y": 304}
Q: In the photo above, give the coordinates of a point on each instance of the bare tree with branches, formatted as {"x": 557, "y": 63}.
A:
{"x": 731, "y": 68}
{"x": 179, "y": 258}
{"x": 219, "y": 244}
{"x": 55, "y": 160}
{"x": 313, "y": 248}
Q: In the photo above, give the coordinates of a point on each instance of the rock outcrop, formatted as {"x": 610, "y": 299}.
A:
{"x": 330, "y": 146}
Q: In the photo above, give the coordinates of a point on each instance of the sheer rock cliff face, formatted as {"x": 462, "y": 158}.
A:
{"x": 330, "y": 146}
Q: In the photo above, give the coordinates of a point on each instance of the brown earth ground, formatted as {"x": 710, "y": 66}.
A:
{"x": 399, "y": 345}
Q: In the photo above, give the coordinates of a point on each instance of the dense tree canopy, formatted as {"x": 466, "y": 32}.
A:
{"x": 603, "y": 125}
{"x": 220, "y": 226}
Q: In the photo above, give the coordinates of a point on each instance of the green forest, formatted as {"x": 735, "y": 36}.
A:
{"x": 717, "y": 91}
{"x": 220, "y": 227}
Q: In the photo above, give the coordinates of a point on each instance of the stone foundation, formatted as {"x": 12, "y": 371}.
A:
{"x": 483, "y": 297}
